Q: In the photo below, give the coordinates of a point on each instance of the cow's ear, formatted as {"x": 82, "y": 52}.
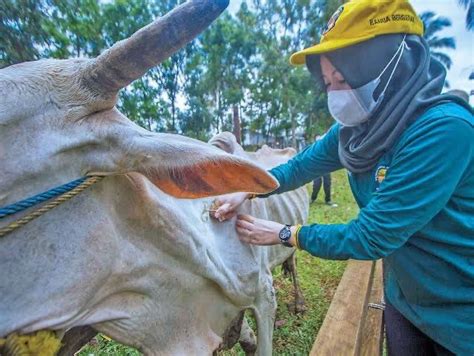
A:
{"x": 187, "y": 168}
{"x": 210, "y": 176}
{"x": 178, "y": 165}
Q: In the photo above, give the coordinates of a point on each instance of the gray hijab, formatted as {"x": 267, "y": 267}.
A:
{"x": 415, "y": 86}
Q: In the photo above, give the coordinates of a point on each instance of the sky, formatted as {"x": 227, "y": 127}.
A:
{"x": 462, "y": 56}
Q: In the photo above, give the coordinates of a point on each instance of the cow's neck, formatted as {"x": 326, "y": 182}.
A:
{"x": 31, "y": 164}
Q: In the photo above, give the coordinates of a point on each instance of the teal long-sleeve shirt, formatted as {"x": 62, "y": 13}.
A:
{"x": 416, "y": 212}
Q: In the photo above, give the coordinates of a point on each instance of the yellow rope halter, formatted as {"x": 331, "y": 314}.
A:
{"x": 44, "y": 342}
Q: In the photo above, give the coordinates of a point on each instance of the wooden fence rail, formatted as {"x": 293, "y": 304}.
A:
{"x": 350, "y": 326}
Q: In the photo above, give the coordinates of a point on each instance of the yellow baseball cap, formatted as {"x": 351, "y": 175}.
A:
{"x": 360, "y": 20}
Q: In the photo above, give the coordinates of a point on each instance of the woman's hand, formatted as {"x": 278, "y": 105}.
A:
{"x": 257, "y": 231}
{"x": 227, "y": 205}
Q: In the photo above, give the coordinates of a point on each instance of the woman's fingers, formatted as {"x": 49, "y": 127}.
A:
{"x": 217, "y": 202}
{"x": 244, "y": 224}
{"x": 243, "y": 231}
{"x": 222, "y": 211}
{"x": 226, "y": 206}
{"x": 246, "y": 217}
{"x": 244, "y": 235}
{"x": 257, "y": 231}
{"x": 227, "y": 216}
{"x": 247, "y": 231}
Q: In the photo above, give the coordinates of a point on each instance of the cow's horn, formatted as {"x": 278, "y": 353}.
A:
{"x": 128, "y": 60}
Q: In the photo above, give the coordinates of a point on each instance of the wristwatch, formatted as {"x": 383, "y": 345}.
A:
{"x": 285, "y": 235}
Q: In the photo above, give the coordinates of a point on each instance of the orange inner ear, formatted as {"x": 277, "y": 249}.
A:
{"x": 211, "y": 178}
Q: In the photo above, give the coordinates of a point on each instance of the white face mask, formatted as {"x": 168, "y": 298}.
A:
{"x": 354, "y": 106}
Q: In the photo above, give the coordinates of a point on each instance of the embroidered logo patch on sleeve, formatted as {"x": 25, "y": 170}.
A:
{"x": 380, "y": 174}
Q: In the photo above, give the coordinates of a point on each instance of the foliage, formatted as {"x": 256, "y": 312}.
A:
{"x": 469, "y": 6}
{"x": 434, "y": 24}
{"x": 26, "y": 30}
{"x": 240, "y": 63}
{"x": 152, "y": 100}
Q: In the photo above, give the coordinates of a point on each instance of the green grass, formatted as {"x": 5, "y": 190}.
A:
{"x": 100, "y": 346}
{"x": 318, "y": 279}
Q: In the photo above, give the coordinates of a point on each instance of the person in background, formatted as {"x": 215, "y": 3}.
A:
{"x": 409, "y": 153}
{"x": 325, "y": 181}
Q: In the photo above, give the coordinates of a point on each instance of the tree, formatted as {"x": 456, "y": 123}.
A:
{"x": 434, "y": 24}
{"x": 78, "y": 25}
{"x": 237, "y": 70}
{"x": 26, "y": 30}
{"x": 223, "y": 61}
{"x": 34, "y": 29}
{"x": 469, "y": 6}
{"x": 283, "y": 96}
{"x": 152, "y": 101}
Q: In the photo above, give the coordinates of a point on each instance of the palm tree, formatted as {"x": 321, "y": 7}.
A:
{"x": 433, "y": 24}
{"x": 469, "y": 5}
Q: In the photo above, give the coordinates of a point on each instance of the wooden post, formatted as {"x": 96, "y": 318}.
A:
{"x": 372, "y": 334}
{"x": 344, "y": 329}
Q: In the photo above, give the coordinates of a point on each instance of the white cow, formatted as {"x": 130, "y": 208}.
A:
{"x": 292, "y": 207}
{"x": 126, "y": 256}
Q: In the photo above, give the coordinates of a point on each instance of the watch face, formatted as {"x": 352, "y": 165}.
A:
{"x": 285, "y": 234}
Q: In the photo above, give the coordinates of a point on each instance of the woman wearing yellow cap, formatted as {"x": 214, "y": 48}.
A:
{"x": 409, "y": 152}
